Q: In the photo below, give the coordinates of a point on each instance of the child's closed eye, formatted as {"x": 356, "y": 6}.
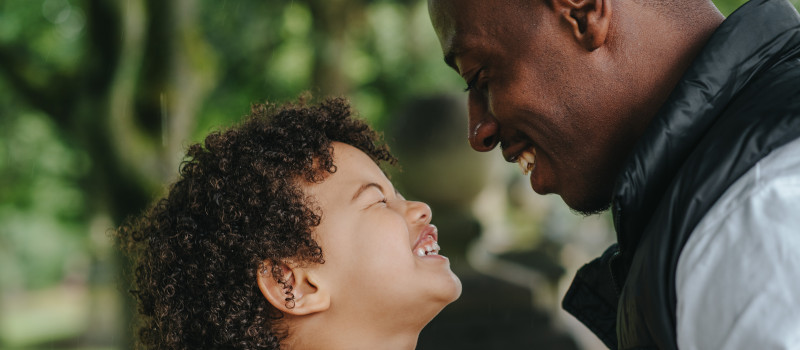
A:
{"x": 381, "y": 201}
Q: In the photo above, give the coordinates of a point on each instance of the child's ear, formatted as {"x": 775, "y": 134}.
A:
{"x": 296, "y": 293}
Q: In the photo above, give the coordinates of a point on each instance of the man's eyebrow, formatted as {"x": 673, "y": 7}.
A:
{"x": 453, "y": 48}
{"x": 364, "y": 187}
{"x": 450, "y": 59}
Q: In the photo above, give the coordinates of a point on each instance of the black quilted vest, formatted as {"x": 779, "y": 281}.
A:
{"x": 738, "y": 101}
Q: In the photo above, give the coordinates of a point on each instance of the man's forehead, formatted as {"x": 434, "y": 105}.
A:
{"x": 444, "y": 22}
{"x": 456, "y": 22}
{"x": 463, "y": 25}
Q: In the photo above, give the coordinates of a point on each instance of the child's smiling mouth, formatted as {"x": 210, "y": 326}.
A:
{"x": 427, "y": 242}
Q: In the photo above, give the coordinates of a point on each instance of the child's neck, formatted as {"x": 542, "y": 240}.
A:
{"x": 330, "y": 334}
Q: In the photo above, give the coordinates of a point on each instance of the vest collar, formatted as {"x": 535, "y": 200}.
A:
{"x": 733, "y": 55}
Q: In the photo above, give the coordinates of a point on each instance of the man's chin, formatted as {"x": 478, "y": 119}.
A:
{"x": 591, "y": 212}
{"x": 588, "y": 206}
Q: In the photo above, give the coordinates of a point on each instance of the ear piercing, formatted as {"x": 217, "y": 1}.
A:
{"x": 287, "y": 288}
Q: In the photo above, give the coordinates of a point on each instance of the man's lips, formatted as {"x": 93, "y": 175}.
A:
{"x": 524, "y": 154}
{"x": 511, "y": 153}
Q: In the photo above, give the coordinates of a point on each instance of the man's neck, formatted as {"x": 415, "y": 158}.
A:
{"x": 656, "y": 49}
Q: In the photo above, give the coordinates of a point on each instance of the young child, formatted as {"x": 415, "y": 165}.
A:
{"x": 284, "y": 233}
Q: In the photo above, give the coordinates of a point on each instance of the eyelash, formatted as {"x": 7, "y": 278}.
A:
{"x": 471, "y": 83}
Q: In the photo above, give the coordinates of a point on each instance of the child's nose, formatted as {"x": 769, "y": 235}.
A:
{"x": 419, "y": 212}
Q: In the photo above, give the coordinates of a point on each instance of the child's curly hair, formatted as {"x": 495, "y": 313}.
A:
{"x": 237, "y": 203}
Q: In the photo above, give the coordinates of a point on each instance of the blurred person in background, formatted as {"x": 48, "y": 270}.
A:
{"x": 681, "y": 121}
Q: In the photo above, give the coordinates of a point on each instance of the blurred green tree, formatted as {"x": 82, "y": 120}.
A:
{"x": 99, "y": 98}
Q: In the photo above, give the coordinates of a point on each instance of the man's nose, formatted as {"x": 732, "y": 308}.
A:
{"x": 483, "y": 132}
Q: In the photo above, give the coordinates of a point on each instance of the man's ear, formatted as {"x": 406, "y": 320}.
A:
{"x": 588, "y": 19}
{"x": 292, "y": 289}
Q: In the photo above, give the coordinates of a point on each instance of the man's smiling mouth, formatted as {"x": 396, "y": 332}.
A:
{"x": 527, "y": 160}
{"x": 524, "y": 157}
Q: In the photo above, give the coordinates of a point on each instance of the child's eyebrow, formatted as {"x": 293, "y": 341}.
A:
{"x": 365, "y": 186}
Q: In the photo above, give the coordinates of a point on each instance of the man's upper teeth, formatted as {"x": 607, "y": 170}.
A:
{"x": 527, "y": 160}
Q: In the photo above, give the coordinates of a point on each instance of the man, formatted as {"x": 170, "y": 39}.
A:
{"x": 683, "y": 122}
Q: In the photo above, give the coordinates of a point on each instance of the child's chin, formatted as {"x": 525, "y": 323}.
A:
{"x": 457, "y": 289}
{"x": 452, "y": 291}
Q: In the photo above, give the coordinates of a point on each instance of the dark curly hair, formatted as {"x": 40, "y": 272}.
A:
{"x": 238, "y": 203}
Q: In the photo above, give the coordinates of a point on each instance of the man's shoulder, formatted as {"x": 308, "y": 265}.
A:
{"x": 740, "y": 263}
{"x": 774, "y": 179}
{"x": 772, "y": 90}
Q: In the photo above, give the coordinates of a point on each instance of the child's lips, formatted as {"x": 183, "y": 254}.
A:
{"x": 427, "y": 242}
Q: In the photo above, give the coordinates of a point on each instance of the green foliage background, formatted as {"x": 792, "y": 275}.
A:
{"x": 98, "y": 99}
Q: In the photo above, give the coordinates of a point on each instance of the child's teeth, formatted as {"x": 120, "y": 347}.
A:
{"x": 527, "y": 161}
{"x": 431, "y": 248}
